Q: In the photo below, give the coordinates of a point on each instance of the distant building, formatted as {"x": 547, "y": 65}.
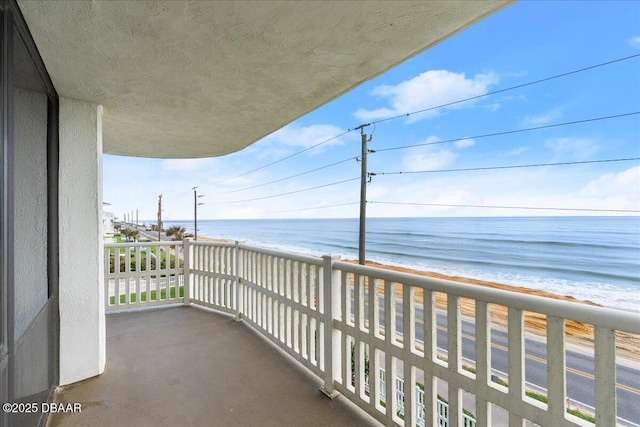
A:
{"x": 108, "y": 219}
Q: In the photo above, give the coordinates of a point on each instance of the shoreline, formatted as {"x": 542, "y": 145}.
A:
{"x": 577, "y": 333}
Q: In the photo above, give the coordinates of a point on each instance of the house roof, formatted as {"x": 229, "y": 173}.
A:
{"x": 197, "y": 78}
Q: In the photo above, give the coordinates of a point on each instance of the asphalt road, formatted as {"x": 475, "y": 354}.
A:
{"x": 153, "y": 235}
{"x": 580, "y": 366}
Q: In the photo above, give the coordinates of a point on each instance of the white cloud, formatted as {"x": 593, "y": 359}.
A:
{"x": 429, "y": 89}
{"x": 544, "y": 118}
{"x": 576, "y": 148}
{"x": 615, "y": 184}
{"x": 378, "y": 191}
{"x": 305, "y": 137}
{"x": 634, "y": 42}
{"x": 428, "y": 159}
{"x": 379, "y": 113}
{"x": 464, "y": 143}
{"x": 181, "y": 165}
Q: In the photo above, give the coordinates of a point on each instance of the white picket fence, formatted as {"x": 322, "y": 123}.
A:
{"x": 129, "y": 267}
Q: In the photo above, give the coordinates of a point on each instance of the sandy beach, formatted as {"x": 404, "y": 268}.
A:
{"x": 628, "y": 345}
{"x": 211, "y": 239}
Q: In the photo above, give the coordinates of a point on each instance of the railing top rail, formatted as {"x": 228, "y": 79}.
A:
{"x": 274, "y": 252}
{"x": 607, "y": 317}
{"x": 134, "y": 244}
{"x": 206, "y": 243}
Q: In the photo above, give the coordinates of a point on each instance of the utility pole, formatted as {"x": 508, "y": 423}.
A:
{"x": 363, "y": 195}
{"x": 195, "y": 212}
{"x": 137, "y": 218}
{"x": 159, "y": 216}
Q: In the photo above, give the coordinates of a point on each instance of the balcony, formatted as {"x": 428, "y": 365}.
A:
{"x": 188, "y": 366}
{"x": 467, "y": 352}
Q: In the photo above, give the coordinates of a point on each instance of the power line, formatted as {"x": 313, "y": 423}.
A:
{"x": 177, "y": 193}
{"x": 290, "y": 192}
{"x": 506, "y": 167}
{"x": 429, "y": 109}
{"x": 508, "y": 89}
{"x": 284, "y": 158}
{"x": 424, "y": 110}
{"x": 313, "y": 208}
{"x": 289, "y": 177}
{"x": 508, "y": 207}
{"x": 509, "y": 132}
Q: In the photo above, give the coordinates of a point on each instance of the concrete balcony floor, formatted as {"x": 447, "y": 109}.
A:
{"x": 183, "y": 366}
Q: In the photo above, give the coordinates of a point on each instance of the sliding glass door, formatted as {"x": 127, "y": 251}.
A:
{"x": 29, "y": 226}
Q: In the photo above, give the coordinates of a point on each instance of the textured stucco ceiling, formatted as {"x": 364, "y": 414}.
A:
{"x": 197, "y": 79}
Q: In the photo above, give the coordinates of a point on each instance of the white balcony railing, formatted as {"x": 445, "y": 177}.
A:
{"x": 143, "y": 274}
{"x": 347, "y": 323}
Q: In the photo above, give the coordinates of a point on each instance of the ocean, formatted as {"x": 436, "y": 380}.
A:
{"x": 590, "y": 258}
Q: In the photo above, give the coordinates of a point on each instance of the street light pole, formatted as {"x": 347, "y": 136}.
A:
{"x": 159, "y": 217}
{"x": 195, "y": 212}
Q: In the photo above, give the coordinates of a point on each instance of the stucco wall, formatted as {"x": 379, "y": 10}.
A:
{"x": 82, "y": 321}
{"x": 31, "y": 288}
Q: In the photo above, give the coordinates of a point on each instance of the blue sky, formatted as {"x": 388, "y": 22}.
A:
{"x": 525, "y": 42}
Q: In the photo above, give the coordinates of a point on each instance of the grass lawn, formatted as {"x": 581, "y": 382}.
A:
{"x": 152, "y": 297}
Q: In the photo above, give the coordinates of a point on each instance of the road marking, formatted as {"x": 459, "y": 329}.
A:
{"x": 544, "y": 362}
{"x": 586, "y": 375}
